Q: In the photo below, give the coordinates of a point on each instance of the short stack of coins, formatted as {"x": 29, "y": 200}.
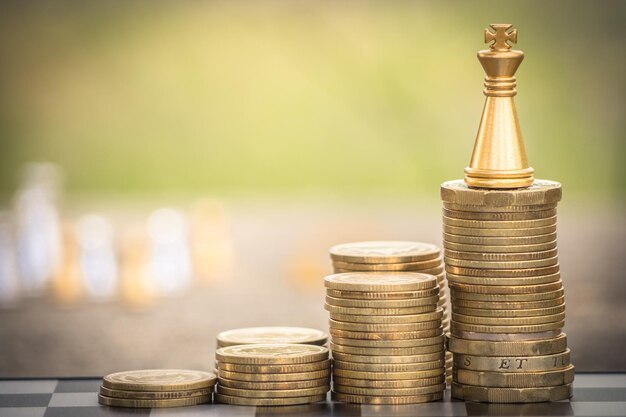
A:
{"x": 397, "y": 256}
{"x": 507, "y": 298}
{"x": 273, "y": 374}
{"x": 272, "y": 334}
{"x": 387, "y": 338}
{"x": 157, "y": 388}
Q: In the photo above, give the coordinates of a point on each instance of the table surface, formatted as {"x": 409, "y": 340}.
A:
{"x": 595, "y": 395}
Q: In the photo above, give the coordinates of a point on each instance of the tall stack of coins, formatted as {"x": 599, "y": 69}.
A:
{"x": 386, "y": 337}
{"x": 507, "y": 298}
{"x": 396, "y": 256}
{"x": 274, "y": 334}
{"x": 272, "y": 374}
{"x": 156, "y": 388}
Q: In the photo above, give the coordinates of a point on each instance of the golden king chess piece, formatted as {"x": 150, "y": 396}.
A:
{"x": 499, "y": 157}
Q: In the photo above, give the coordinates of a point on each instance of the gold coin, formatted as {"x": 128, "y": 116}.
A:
{"x": 500, "y": 248}
{"x": 508, "y": 321}
{"x": 154, "y": 395}
{"x": 266, "y": 335}
{"x": 362, "y": 311}
{"x": 409, "y": 318}
{"x": 503, "y": 273}
{"x": 382, "y": 367}
{"x": 507, "y": 337}
{"x": 382, "y": 282}
{"x": 515, "y": 380}
{"x": 500, "y": 257}
{"x": 430, "y": 271}
{"x": 388, "y": 375}
{"x": 467, "y": 231}
{"x": 271, "y": 354}
{"x": 403, "y": 266}
{"x": 395, "y": 295}
{"x": 406, "y": 383}
{"x": 428, "y": 358}
{"x": 364, "y": 327}
{"x": 281, "y": 393}
{"x": 505, "y": 289}
{"x": 275, "y": 369}
{"x": 513, "y": 363}
{"x": 511, "y": 395}
{"x": 289, "y": 385}
{"x": 386, "y": 335}
{"x": 489, "y": 209}
{"x": 227, "y": 399}
{"x": 136, "y": 403}
{"x": 523, "y": 281}
{"x": 296, "y": 376}
{"x": 498, "y": 298}
{"x": 499, "y": 241}
{"x": 499, "y": 216}
{"x": 389, "y": 392}
{"x": 366, "y": 399}
{"x": 376, "y": 252}
{"x": 507, "y": 265}
{"x": 508, "y": 313}
{"x": 456, "y": 327}
{"x": 511, "y": 305}
{"x": 340, "y": 344}
{"x": 159, "y": 380}
{"x": 499, "y": 224}
{"x": 541, "y": 192}
{"x": 408, "y": 303}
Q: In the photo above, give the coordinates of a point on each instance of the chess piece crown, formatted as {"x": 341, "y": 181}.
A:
{"x": 499, "y": 157}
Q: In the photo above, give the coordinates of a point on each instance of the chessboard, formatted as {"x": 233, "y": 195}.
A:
{"x": 595, "y": 395}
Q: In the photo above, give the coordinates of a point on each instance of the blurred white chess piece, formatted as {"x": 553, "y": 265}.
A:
{"x": 97, "y": 259}
{"x": 9, "y": 281}
{"x": 169, "y": 263}
{"x": 38, "y": 227}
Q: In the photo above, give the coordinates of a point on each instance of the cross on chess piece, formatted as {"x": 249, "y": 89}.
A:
{"x": 501, "y": 36}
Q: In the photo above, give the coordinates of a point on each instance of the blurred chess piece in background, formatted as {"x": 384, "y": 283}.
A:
{"x": 97, "y": 257}
{"x": 9, "y": 278}
{"x": 211, "y": 243}
{"x": 169, "y": 261}
{"x": 38, "y": 226}
{"x": 134, "y": 284}
{"x": 67, "y": 287}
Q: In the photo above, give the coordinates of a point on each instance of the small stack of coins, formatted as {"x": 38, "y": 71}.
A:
{"x": 386, "y": 337}
{"x": 507, "y": 298}
{"x": 274, "y": 334}
{"x": 157, "y": 388}
{"x": 396, "y": 256}
{"x": 272, "y": 374}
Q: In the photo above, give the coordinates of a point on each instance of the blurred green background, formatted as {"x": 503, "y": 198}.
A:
{"x": 281, "y": 97}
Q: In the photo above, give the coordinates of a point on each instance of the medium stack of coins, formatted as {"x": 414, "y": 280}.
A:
{"x": 156, "y": 388}
{"x": 395, "y": 256}
{"x": 272, "y": 374}
{"x": 507, "y": 298}
{"x": 387, "y": 339}
{"x": 274, "y": 334}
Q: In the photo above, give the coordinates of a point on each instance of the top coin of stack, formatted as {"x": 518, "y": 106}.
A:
{"x": 272, "y": 374}
{"x": 156, "y": 388}
{"x": 507, "y": 297}
{"x": 398, "y": 256}
{"x": 274, "y": 334}
{"x": 386, "y": 337}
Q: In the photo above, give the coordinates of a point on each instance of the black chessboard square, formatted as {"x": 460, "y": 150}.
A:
{"x": 78, "y": 385}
